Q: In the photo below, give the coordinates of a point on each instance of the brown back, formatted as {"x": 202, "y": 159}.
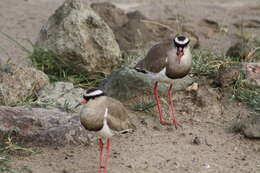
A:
{"x": 155, "y": 60}
{"x": 92, "y": 114}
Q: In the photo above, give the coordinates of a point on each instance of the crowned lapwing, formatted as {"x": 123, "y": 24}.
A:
{"x": 168, "y": 60}
{"x": 105, "y": 116}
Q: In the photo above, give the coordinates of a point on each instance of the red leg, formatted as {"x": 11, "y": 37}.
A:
{"x": 171, "y": 107}
{"x": 157, "y": 98}
{"x": 101, "y": 145}
{"x": 107, "y": 155}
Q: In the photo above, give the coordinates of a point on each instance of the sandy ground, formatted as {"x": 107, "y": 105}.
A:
{"x": 22, "y": 20}
{"x": 151, "y": 148}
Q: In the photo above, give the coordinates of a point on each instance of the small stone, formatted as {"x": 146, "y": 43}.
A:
{"x": 129, "y": 166}
{"x": 143, "y": 122}
{"x": 196, "y": 141}
{"x": 156, "y": 128}
{"x": 193, "y": 87}
{"x": 205, "y": 165}
{"x": 243, "y": 158}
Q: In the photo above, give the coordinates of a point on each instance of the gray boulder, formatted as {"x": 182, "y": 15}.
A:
{"x": 239, "y": 50}
{"x": 18, "y": 84}
{"x": 41, "y": 127}
{"x": 228, "y": 74}
{"x": 113, "y": 16}
{"x": 133, "y": 31}
{"x": 80, "y": 38}
{"x": 250, "y": 127}
{"x": 126, "y": 83}
{"x": 61, "y": 95}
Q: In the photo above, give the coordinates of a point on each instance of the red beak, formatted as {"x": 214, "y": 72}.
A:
{"x": 81, "y": 103}
{"x": 179, "y": 54}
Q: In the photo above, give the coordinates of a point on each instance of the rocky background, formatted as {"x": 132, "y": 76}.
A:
{"x": 50, "y": 55}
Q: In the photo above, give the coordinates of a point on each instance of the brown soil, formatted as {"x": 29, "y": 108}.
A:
{"x": 153, "y": 148}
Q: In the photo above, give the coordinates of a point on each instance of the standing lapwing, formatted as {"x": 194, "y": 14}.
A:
{"x": 105, "y": 116}
{"x": 168, "y": 60}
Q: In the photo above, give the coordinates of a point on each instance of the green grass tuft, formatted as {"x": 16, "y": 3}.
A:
{"x": 8, "y": 148}
{"x": 59, "y": 70}
{"x": 247, "y": 94}
{"x": 206, "y": 63}
{"x": 56, "y": 68}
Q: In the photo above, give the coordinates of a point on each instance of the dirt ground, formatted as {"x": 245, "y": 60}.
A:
{"x": 151, "y": 148}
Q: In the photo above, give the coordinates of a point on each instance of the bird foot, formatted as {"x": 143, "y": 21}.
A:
{"x": 176, "y": 124}
{"x": 165, "y": 123}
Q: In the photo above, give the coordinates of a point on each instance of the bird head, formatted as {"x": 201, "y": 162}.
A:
{"x": 90, "y": 94}
{"x": 181, "y": 43}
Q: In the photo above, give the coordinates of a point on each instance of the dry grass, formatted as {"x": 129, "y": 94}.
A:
{"x": 9, "y": 148}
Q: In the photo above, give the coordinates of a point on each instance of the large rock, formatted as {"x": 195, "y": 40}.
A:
{"x": 134, "y": 31}
{"x": 239, "y": 50}
{"x": 37, "y": 126}
{"x": 127, "y": 83}
{"x": 81, "y": 38}
{"x": 250, "y": 127}
{"x": 61, "y": 95}
{"x": 113, "y": 16}
{"x": 228, "y": 74}
{"x": 249, "y": 23}
{"x": 18, "y": 84}
{"x": 252, "y": 73}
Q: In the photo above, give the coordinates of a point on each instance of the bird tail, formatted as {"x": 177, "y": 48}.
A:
{"x": 140, "y": 70}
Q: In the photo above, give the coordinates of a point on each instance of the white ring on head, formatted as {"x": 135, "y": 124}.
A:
{"x": 180, "y": 41}
{"x": 94, "y": 93}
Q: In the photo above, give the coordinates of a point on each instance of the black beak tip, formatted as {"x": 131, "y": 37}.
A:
{"x": 77, "y": 106}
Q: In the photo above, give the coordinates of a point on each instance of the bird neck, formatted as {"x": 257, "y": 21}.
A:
{"x": 185, "y": 59}
{"x": 178, "y": 69}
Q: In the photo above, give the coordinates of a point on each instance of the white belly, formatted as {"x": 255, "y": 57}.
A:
{"x": 161, "y": 76}
{"x": 105, "y": 131}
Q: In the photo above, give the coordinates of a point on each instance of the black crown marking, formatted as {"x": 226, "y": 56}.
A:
{"x": 181, "y": 38}
{"x": 93, "y": 90}
{"x": 181, "y": 41}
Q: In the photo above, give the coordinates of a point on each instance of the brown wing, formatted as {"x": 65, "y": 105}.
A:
{"x": 117, "y": 115}
{"x": 155, "y": 59}
{"x": 92, "y": 114}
